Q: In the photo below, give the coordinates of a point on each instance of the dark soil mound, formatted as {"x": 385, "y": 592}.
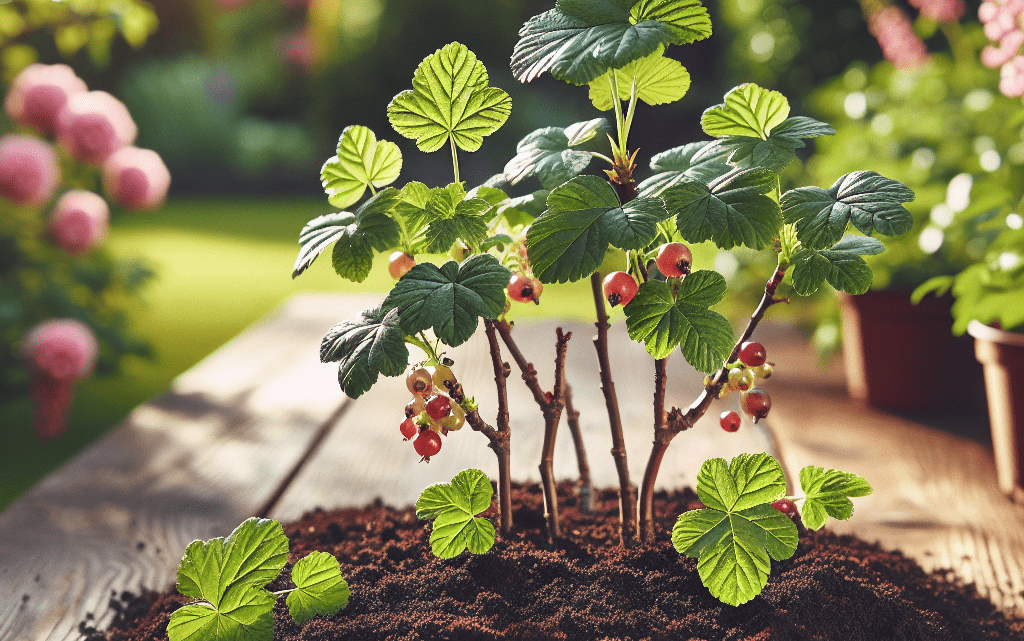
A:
{"x": 586, "y": 587}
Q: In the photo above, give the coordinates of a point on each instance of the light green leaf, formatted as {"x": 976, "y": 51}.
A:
{"x": 449, "y": 100}
{"x": 827, "y": 494}
{"x": 773, "y": 153}
{"x": 453, "y": 508}
{"x": 682, "y": 163}
{"x": 704, "y": 337}
{"x": 730, "y": 210}
{"x": 319, "y": 587}
{"x": 452, "y": 298}
{"x": 245, "y": 614}
{"x": 580, "y": 40}
{"x": 361, "y": 162}
{"x": 748, "y": 110}
{"x": 842, "y": 266}
{"x": 870, "y": 201}
{"x": 550, "y": 155}
{"x": 373, "y": 343}
{"x": 659, "y": 81}
{"x": 737, "y": 535}
{"x": 452, "y": 216}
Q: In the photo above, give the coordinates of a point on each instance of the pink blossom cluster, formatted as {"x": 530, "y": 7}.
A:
{"x": 940, "y": 10}
{"x": 79, "y": 221}
{"x": 58, "y": 353}
{"x": 895, "y": 35}
{"x": 1002, "y": 22}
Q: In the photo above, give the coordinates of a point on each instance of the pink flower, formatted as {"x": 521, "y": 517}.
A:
{"x": 993, "y": 57}
{"x": 39, "y": 92}
{"x": 1011, "y": 78}
{"x": 900, "y": 45}
{"x": 58, "y": 353}
{"x": 28, "y": 170}
{"x": 94, "y": 125}
{"x": 79, "y": 221}
{"x": 940, "y": 10}
{"x": 136, "y": 178}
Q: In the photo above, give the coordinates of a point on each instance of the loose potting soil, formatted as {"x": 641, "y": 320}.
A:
{"x": 585, "y": 586}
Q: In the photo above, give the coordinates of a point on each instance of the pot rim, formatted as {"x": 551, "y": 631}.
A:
{"x": 981, "y": 331}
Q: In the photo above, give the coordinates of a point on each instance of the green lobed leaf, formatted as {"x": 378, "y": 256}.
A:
{"x": 361, "y": 162}
{"x": 453, "y": 508}
{"x": 319, "y": 587}
{"x": 679, "y": 164}
{"x": 704, "y": 337}
{"x": 659, "y": 81}
{"x": 748, "y": 110}
{"x": 352, "y": 257}
{"x": 842, "y": 266}
{"x": 579, "y": 40}
{"x": 449, "y": 100}
{"x": 827, "y": 494}
{"x": 245, "y": 614}
{"x": 870, "y": 201}
{"x": 370, "y": 226}
{"x": 549, "y": 153}
{"x": 569, "y": 241}
{"x": 373, "y": 343}
{"x": 450, "y": 299}
{"x": 452, "y": 216}
{"x": 773, "y": 153}
{"x": 737, "y": 535}
{"x": 730, "y": 210}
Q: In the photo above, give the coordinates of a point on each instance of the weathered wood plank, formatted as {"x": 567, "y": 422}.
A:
{"x": 364, "y": 456}
{"x": 189, "y": 465}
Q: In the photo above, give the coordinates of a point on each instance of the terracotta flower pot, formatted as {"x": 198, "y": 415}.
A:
{"x": 1002, "y": 355}
{"x": 904, "y": 357}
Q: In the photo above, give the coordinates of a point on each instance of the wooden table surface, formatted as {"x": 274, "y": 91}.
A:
{"x": 261, "y": 428}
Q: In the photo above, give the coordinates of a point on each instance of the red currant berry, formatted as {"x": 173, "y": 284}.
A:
{"x": 785, "y": 506}
{"x": 408, "y": 428}
{"x": 400, "y": 264}
{"x": 419, "y": 382}
{"x": 674, "y": 259}
{"x": 745, "y": 381}
{"x": 427, "y": 444}
{"x": 730, "y": 421}
{"x": 756, "y": 403}
{"x": 752, "y": 354}
{"x": 619, "y": 288}
{"x": 439, "y": 407}
{"x": 523, "y": 289}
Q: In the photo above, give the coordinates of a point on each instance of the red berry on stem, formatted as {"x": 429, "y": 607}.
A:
{"x": 674, "y": 259}
{"x": 415, "y": 406}
{"x": 752, "y": 354}
{"x": 427, "y": 444}
{"x": 408, "y": 428}
{"x": 785, "y": 506}
{"x": 400, "y": 264}
{"x": 730, "y": 421}
{"x": 619, "y": 288}
{"x": 523, "y": 288}
{"x": 756, "y": 403}
{"x": 439, "y": 407}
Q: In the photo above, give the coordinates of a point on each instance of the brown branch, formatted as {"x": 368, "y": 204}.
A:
{"x": 551, "y": 405}
{"x": 627, "y": 501}
{"x": 586, "y": 485}
{"x": 661, "y": 441}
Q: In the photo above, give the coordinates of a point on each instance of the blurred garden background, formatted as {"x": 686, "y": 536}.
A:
{"x": 245, "y": 99}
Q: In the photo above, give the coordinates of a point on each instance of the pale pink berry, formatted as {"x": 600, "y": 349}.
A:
{"x": 79, "y": 221}
{"x": 136, "y": 178}
{"x": 1011, "y": 78}
{"x": 94, "y": 125}
{"x": 992, "y": 56}
{"x": 38, "y": 94}
{"x": 63, "y": 348}
{"x": 29, "y": 172}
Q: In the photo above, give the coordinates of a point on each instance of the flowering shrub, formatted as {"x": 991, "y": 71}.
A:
{"x": 58, "y": 353}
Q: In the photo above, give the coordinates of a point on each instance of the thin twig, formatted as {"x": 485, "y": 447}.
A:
{"x": 586, "y": 485}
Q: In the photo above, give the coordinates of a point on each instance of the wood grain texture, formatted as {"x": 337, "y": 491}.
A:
{"x": 365, "y": 457}
{"x": 935, "y": 494}
{"x": 191, "y": 464}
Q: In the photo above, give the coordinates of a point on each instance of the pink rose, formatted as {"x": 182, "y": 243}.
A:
{"x": 58, "y": 353}
{"x": 28, "y": 170}
{"x": 94, "y": 125}
{"x": 38, "y": 94}
{"x": 79, "y": 221}
{"x": 136, "y": 178}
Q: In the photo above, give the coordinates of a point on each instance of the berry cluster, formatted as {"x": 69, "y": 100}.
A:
{"x": 431, "y": 413}
{"x": 751, "y": 364}
{"x": 673, "y": 260}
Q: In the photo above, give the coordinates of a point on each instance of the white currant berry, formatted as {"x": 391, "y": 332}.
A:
{"x": 442, "y": 374}
{"x": 419, "y": 382}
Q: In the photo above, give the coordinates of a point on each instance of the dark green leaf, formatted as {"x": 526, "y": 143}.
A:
{"x": 679, "y": 164}
{"x": 452, "y": 507}
{"x": 580, "y": 40}
{"x": 827, "y": 494}
{"x": 549, "y": 153}
{"x": 635, "y": 224}
{"x": 870, "y": 201}
{"x": 352, "y": 258}
{"x": 371, "y": 225}
{"x": 842, "y": 266}
{"x": 731, "y": 210}
{"x": 452, "y": 298}
{"x": 373, "y": 343}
